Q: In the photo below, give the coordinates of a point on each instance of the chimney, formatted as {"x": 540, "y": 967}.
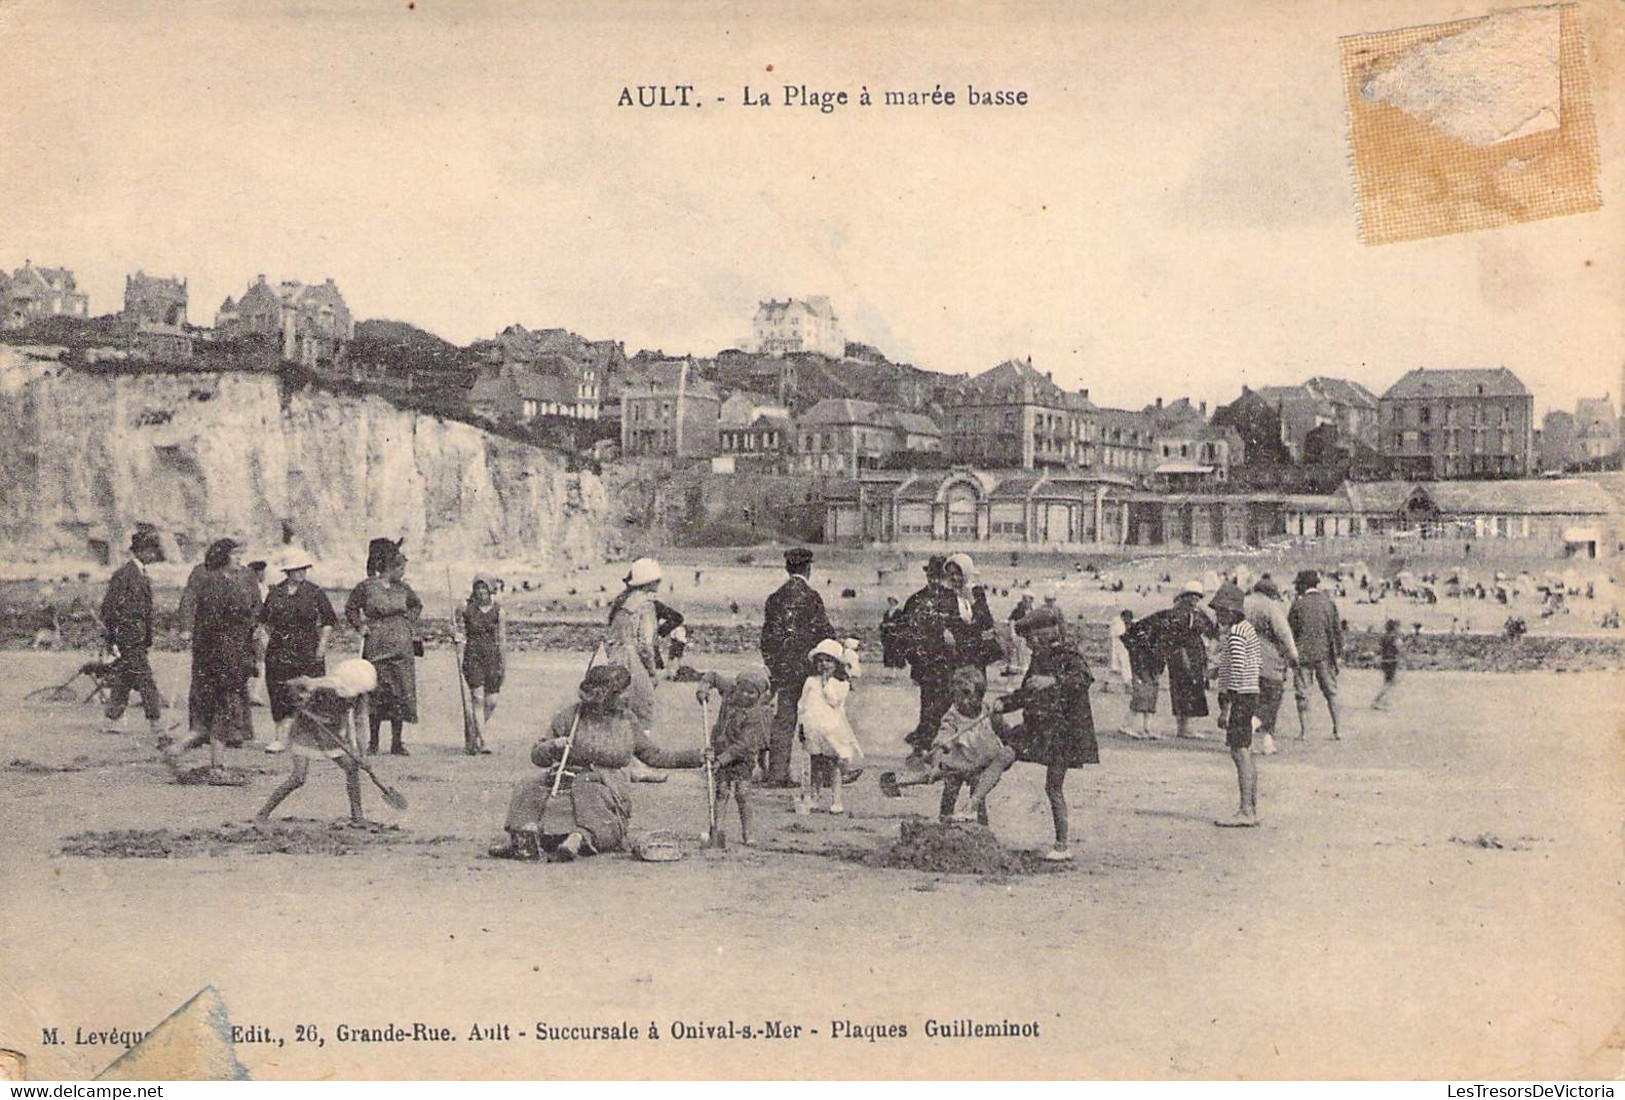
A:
{"x": 1203, "y": 408}
{"x": 1159, "y": 403}
{"x": 1085, "y": 393}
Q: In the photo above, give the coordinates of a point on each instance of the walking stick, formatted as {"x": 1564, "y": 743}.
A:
{"x": 473, "y": 736}
{"x": 569, "y": 739}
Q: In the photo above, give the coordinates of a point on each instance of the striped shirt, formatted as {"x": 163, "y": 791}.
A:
{"x": 1245, "y": 655}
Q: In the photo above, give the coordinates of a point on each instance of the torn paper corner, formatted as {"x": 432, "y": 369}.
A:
{"x": 192, "y": 1044}
{"x": 1492, "y": 82}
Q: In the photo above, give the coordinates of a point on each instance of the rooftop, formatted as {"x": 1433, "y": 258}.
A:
{"x": 1470, "y": 382}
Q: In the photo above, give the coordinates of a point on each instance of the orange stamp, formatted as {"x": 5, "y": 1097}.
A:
{"x": 1472, "y": 124}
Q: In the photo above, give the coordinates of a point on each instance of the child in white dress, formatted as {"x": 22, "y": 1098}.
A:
{"x": 825, "y": 730}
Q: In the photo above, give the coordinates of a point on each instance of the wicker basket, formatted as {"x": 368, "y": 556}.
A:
{"x": 658, "y": 846}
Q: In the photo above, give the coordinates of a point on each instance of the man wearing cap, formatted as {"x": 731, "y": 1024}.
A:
{"x": 1277, "y": 653}
{"x": 1319, "y": 636}
{"x": 126, "y": 614}
{"x": 793, "y": 623}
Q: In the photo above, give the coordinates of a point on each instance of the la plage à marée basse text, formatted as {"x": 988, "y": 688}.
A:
{"x": 823, "y": 100}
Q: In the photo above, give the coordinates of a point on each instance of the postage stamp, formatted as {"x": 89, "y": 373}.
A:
{"x": 1471, "y": 124}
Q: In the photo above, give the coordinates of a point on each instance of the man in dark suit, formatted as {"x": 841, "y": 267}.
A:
{"x": 793, "y": 622}
{"x": 127, "y": 618}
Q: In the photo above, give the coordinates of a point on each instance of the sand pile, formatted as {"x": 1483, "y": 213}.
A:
{"x": 288, "y": 837}
{"x": 31, "y": 767}
{"x": 950, "y": 847}
{"x": 212, "y": 777}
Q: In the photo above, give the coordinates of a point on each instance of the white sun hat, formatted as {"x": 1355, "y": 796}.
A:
{"x": 829, "y": 647}
{"x": 354, "y": 677}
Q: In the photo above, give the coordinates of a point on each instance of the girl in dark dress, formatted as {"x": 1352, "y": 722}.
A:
{"x": 298, "y": 620}
{"x": 224, "y": 610}
{"x": 480, "y": 630}
{"x": 1058, "y": 727}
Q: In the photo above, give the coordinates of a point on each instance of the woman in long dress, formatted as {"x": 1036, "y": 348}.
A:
{"x": 224, "y": 612}
{"x": 1121, "y": 666}
{"x": 386, "y": 611}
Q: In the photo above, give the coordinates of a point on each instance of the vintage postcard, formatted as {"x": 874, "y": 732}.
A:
{"x": 890, "y": 540}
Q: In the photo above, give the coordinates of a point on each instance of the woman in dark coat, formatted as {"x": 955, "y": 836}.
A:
{"x": 1181, "y": 633}
{"x": 298, "y": 619}
{"x": 1058, "y": 726}
{"x": 386, "y": 610}
{"x": 224, "y": 611}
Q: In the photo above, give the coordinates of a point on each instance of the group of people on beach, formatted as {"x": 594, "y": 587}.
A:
{"x": 784, "y": 724}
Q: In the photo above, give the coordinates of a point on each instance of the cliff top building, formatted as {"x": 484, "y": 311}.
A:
{"x": 798, "y": 325}
{"x": 34, "y": 293}
{"x": 311, "y": 321}
{"x": 150, "y": 300}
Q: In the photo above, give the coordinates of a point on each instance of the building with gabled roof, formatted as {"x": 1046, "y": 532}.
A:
{"x": 1011, "y": 416}
{"x": 842, "y": 435}
{"x": 35, "y": 293}
{"x": 669, "y": 411}
{"x": 310, "y": 322}
{"x": 1458, "y": 423}
{"x": 151, "y": 300}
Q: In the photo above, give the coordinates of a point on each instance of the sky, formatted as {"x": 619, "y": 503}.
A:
{"x": 1171, "y": 214}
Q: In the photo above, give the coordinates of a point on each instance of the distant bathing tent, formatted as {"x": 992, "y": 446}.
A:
{"x": 1553, "y": 518}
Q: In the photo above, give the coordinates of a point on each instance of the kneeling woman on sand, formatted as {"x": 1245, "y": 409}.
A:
{"x": 325, "y": 719}
{"x": 593, "y": 806}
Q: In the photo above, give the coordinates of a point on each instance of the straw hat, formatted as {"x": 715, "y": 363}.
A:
{"x": 293, "y": 558}
{"x": 644, "y": 571}
{"x": 1193, "y": 587}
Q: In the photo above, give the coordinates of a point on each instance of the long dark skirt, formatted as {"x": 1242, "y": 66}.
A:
{"x": 277, "y": 676}
{"x": 395, "y": 699}
{"x": 1187, "y": 693}
{"x": 217, "y": 703}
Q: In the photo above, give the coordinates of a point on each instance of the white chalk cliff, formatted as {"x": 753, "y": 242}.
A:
{"x": 85, "y": 457}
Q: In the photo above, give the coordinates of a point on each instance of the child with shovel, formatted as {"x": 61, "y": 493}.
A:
{"x": 967, "y": 750}
{"x": 328, "y": 710}
{"x": 741, "y": 731}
